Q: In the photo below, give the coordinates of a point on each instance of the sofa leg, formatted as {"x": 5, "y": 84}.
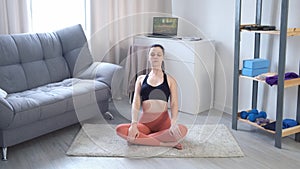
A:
{"x": 108, "y": 115}
{"x": 4, "y": 153}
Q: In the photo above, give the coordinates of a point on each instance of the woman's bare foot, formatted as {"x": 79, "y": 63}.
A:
{"x": 178, "y": 146}
{"x": 129, "y": 143}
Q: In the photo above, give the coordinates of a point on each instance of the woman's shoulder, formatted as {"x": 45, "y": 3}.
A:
{"x": 140, "y": 78}
{"x": 170, "y": 79}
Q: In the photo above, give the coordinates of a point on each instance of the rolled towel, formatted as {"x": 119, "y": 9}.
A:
{"x": 262, "y": 121}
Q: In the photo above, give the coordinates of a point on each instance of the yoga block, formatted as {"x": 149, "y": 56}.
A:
{"x": 254, "y": 72}
{"x": 256, "y": 63}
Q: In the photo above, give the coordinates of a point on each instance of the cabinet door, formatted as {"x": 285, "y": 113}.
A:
{"x": 188, "y": 91}
{"x": 204, "y": 75}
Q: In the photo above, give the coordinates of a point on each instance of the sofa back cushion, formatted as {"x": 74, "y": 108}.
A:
{"x": 30, "y": 60}
{"x": 75, "y": 49}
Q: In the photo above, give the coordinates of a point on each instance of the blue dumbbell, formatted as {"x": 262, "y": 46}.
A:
{"x": 245, "y": 114}
{"x": 253, "y": 117}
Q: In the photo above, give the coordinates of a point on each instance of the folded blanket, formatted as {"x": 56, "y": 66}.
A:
{"x": 286, "y": 123}
{"x": 272, "y": 80}
{"x": 270, "y": 126}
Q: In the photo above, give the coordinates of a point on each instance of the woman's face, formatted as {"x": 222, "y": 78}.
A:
{"x": 156, "y": 57}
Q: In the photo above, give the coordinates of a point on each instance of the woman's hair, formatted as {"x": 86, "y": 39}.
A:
{"x": 160, "y": 46}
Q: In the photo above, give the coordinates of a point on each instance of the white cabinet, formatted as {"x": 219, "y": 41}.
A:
{"x": 192, "y": 64}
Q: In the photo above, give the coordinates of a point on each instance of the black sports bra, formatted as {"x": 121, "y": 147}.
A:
{"x": 160, "y": 92}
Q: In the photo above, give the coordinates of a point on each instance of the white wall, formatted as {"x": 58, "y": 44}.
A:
{"x": 215, "y": 20}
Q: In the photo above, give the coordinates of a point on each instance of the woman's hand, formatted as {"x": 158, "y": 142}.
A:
{"x": 175, "y": 131}
{"x": 133, "y": 132}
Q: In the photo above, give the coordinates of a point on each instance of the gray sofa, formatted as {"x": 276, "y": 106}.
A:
{"x": 49, "y": 81}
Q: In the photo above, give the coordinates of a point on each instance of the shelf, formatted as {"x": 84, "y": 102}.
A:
{"x": 243, "y": 28}
{"x": 285, "y": 132}
{"x": 287, "y": 83}
{"x": 290, "y": 31}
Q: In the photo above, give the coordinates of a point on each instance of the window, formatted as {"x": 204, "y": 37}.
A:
{"x": 49, "y": 15}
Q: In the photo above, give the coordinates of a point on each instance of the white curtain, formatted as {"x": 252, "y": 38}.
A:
{"x": 14, "y": 16}
{"x": 113, "y": 23}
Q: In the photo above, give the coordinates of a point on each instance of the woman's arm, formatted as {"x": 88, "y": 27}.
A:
{"x": 133, "y": 131}
{"x": 136, "y": 103}
{"x": 173, "y": 99}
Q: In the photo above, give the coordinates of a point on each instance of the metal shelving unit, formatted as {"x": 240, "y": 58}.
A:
{"x": 283, "y": 33}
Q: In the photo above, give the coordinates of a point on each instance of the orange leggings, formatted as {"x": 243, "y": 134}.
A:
{"x": 153, "y": 129}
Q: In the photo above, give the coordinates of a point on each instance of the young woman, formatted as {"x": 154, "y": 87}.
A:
{"x": 152, "y": 91}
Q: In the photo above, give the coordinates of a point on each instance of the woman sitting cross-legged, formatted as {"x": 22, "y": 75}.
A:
{"x": 152, "y": 91}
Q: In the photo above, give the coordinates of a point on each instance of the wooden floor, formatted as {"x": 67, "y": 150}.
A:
{"x": 48, "y": 152}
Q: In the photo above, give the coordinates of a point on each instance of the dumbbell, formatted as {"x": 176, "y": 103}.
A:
{"x": 245, "y": 114}
{"x": 253, "y": 117}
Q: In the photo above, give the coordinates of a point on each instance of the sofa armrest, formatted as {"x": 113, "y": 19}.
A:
{"x": 101, "y": 71}
{"x": 3, "y": 93}
{"x": 6, "y": 113}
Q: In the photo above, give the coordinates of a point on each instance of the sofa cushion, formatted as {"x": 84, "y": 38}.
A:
{"x": 55, "y": 98}
{"x": 31, "y": 60}
{"x": 75, "y": 49}
{"x": 53, "y": 57}
{"x": 12, "y": 74}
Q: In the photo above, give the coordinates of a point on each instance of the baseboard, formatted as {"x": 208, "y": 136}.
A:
{"x": 223, "y": 108}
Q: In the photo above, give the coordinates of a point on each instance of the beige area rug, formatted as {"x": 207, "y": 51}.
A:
{"x": 100, "y": 140}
